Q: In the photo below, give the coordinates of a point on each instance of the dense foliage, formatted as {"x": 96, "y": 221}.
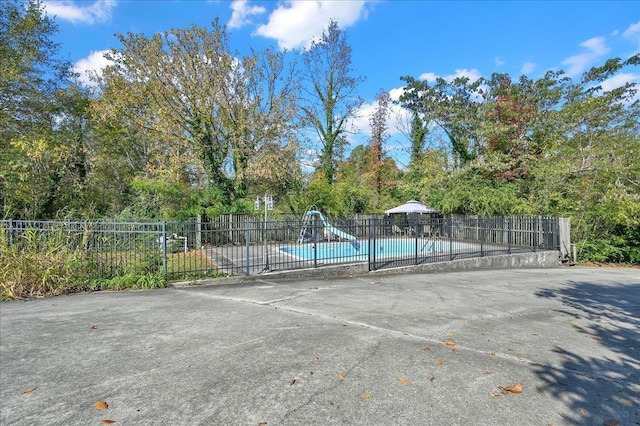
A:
{"x": 181, "y": 124}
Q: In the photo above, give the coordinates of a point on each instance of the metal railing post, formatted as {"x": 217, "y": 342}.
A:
{"x": 164, "y": 248}
{"x": 508, "y": 235}
{"x": 482, "y": 222}
{"x": 373, "y": 248}
{"x": 451, "y": 237}
{"x": 315, "y": 242}
{"x": 246, "y": 239}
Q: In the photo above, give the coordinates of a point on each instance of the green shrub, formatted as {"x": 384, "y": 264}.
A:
{"x": 130, "y": 281}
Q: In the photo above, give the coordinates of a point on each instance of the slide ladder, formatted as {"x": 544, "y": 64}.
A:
{"x": 305, "y": 224}
{"x": 335, "y": 231}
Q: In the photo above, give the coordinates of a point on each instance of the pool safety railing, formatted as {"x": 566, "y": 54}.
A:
{"x": 246, "y": 245}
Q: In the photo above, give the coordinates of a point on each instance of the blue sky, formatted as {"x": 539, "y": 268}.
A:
{"x": 389, "y": 38}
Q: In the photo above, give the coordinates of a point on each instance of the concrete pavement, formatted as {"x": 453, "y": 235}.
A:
{"x": 429, "y": 349}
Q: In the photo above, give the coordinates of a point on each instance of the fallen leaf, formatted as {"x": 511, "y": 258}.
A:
{"x": 432, "y": 378}
{"x": 493, "y": 394}
{"x": 404, "y": 381}
{"x": 517, "y": 388}
{"x": 293, "y": 382}
{"x": 427, "y": 349}
{"x": 316, "y": 358}
{"x": 101, "y": 405}
{"x": 107, "y": 421}
{"x": 492, "y": 353}
{"x": 449, "y": 334}
{"x": 439, "y": 362}
{"x": 523, "y": 353}
{"x": 450, "y": 343}
{"x": 366, "y": 395}
{"x": 27, "y": 391}
{"x": 611, "y": 422}
{"x": 582, "y": 412}
{"x": 94, "y": 327}
{"x": 262, "y": 424}
{"x": 455, "y": 351}
{"x": 341, "y": 376}
{"x": 488, "y": 373}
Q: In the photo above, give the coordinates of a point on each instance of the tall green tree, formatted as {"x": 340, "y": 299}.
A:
{"x": 330, "y": 95}
{"x": 454, "y": 107}
{"x": 31, "y": 74}
{"x": 208, "y": 109}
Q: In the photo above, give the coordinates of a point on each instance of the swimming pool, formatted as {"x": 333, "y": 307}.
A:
{"x": 383, "y": 247}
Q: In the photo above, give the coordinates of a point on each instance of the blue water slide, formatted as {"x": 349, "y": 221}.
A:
{"x": 334, "y": 230}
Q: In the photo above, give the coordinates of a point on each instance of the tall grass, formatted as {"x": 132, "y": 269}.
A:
{"x": 42, "y": 264}
{"x": 39, "y": 265}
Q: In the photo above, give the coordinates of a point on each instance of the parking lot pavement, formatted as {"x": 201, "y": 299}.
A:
{"x": 517, "y": 347}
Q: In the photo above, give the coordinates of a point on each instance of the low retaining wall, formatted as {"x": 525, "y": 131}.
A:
{"x": 539, "y": 259}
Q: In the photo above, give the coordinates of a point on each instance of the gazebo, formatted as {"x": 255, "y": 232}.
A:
{"x": 411, "y": 206}
{"x": 406, "y": 218}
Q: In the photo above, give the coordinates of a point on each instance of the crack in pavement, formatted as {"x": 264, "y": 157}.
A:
{"x": 387, "y": 331}
{"x": 360, "y": 361}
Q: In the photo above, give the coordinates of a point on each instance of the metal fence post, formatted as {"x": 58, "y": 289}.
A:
{"x": 315, "y": 241}
{"x": 164, "y": 248}
{"x": 369, "y": 242}
{"x": 373, "y": 248}
{"x": 415, "y": 262}
{"x": 246, "y": 239}
{"x": 508, "y": 235}
{"x": 451, "y": 237}
{"x": 482, "y": 223}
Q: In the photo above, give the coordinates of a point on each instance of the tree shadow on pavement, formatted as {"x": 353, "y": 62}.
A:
{"x": 601, "y": 385}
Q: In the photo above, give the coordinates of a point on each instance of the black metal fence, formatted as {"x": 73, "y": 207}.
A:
{"x": 249, "y": 245}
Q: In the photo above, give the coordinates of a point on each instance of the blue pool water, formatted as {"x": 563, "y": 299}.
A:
{"x": 387, "y": 247}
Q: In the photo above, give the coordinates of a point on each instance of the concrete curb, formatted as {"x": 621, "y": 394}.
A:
{"x": 539, "y": 259}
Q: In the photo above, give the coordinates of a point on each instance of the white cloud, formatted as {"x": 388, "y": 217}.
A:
{"x": 295, "y": 24}
{"x": 527, "y": 67}
{"x": 499, "y": 62}
{"x": 95, "y": 62}
{"x": 428, "y": 76}
{"x": 578, "y": 63}
{"x": 472, "y": 75}
{"x": 632, "y": 30}
{"x": 97, "y": 12}
{"x": 242, "y": 13}
{"x": 396, "y": 93}
{"x": 395, "y": 121}
{"x": 620, "y": 80}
